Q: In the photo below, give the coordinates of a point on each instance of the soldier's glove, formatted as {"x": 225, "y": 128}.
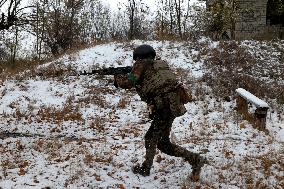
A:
{"x": 151, "y": 110}
{"x": 122, "y": 81}
{"x": 185, "y": 97}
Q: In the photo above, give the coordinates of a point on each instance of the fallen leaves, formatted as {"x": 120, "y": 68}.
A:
{"x": 228, "y": 154}
{"x": 121, "y": 186}
{"x": 22, "y": 167}
{"x": 98, "y": 178}
{"x": 22, "y": 171}
{"x": 242, "y": 126}
{"x": 159, "y": 158}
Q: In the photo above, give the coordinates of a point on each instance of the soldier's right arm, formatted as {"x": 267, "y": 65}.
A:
{"x": 138, "y": 69}
{"x": 129, "y": 80}
{"x": 122, "y": 81}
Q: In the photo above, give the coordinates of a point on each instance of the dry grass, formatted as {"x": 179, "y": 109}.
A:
{"x": 83, "y": 153}
{"x": 19, "y": 66}
{"x": 231, "y": 66}
{"x": 250, "y": 171}
{"x": 53, "y": 115}
{"x": 123, "y": 102}
{"x": 98, "y": 124}
{"x": 24, "y": 64}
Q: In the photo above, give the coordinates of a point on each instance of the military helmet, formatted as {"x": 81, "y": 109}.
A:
{"x": 143, "y": 52}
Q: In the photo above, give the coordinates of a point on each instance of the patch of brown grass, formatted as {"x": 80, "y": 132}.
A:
{"x": 52, "y": 114}
{"x": 21, "y": 65}
{"x": 97, "y": 124}
{"x": 231, "y": 66}
{"x": 123, "y": 102}
{"x": 56, "y": 70}
{"x": 8, "y": 69}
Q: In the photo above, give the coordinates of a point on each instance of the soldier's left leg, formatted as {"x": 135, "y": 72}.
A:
{"x": 165, "y": 145}
{"x": 169, "y": 148}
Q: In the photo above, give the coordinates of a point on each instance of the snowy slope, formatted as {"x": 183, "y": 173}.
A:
{"x": 61, "y": 130}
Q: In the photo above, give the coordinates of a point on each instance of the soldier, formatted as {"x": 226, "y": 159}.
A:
{"x": 158, "y": 86}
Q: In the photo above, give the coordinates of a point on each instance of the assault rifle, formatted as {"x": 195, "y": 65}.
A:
{"x": 119, "y": 73}
{"x": 109, "y": 71}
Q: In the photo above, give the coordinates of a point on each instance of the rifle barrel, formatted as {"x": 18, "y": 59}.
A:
{"x": 109, "y": 71}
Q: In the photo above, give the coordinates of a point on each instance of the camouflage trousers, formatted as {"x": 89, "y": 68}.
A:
{"x": 158, "y": 137}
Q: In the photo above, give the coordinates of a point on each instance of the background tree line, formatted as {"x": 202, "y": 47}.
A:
{"x": 59, "y": 25}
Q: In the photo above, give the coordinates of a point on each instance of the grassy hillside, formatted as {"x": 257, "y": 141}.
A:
{"x": 62, "y": 130}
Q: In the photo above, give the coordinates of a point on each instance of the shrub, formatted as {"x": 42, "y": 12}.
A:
{"x": 231, "y": 66}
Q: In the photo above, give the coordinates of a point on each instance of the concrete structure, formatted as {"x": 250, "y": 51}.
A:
{"x": 251, "y": 20}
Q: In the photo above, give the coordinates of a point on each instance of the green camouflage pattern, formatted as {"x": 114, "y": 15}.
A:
{"x": 157, "y": 136}
{"x": 157, "y": 85}
{"x": 155, "y": 80}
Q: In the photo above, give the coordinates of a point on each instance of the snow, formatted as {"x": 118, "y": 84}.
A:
{"x": 251, "y": 98}
{"x": 82, "y": 132}
{"x": 281, "y": 135}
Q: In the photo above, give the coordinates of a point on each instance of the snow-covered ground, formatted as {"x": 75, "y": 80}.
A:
{"x": 61, "y": 130}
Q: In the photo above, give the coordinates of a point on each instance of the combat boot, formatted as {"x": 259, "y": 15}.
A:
{"x": 197, "y": 162}
{"x": 141, "y": 170}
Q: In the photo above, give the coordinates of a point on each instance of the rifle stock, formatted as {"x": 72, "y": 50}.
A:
{"x": 109, "y": 71}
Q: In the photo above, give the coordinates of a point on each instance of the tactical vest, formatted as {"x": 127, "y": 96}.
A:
{"x": 157, "y": 79}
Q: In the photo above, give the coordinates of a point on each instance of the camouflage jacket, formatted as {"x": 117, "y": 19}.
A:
{"x": 157, "y": 84}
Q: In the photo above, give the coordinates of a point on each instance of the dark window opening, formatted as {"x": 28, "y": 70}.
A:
{"x": 275, "y": 12}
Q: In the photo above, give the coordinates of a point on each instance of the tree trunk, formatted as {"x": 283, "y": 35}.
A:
{"x": 178, "y": 14}
{"x": 132, "y": 7}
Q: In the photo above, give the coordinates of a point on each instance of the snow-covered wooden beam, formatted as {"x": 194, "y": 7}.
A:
{"x": 259, "y": 118}
{"x": 251, "y": 98}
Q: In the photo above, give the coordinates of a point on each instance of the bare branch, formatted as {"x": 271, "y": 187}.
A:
{"x": 2, "y": 2}
{"x": 12, "y": 15}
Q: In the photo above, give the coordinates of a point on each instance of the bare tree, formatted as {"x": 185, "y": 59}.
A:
{"x": 119, "y": 25}
{"x": 166, "y": 18}
{"x": 95, "y": 21}
{"x": 178, "y": 16}
{"x": 172, "y": 20}
{"x": 57, "y": 24}
{"x": 14, "y": 15}
{"x": 136, "y": 11}
{"x": 132, "y": 14}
